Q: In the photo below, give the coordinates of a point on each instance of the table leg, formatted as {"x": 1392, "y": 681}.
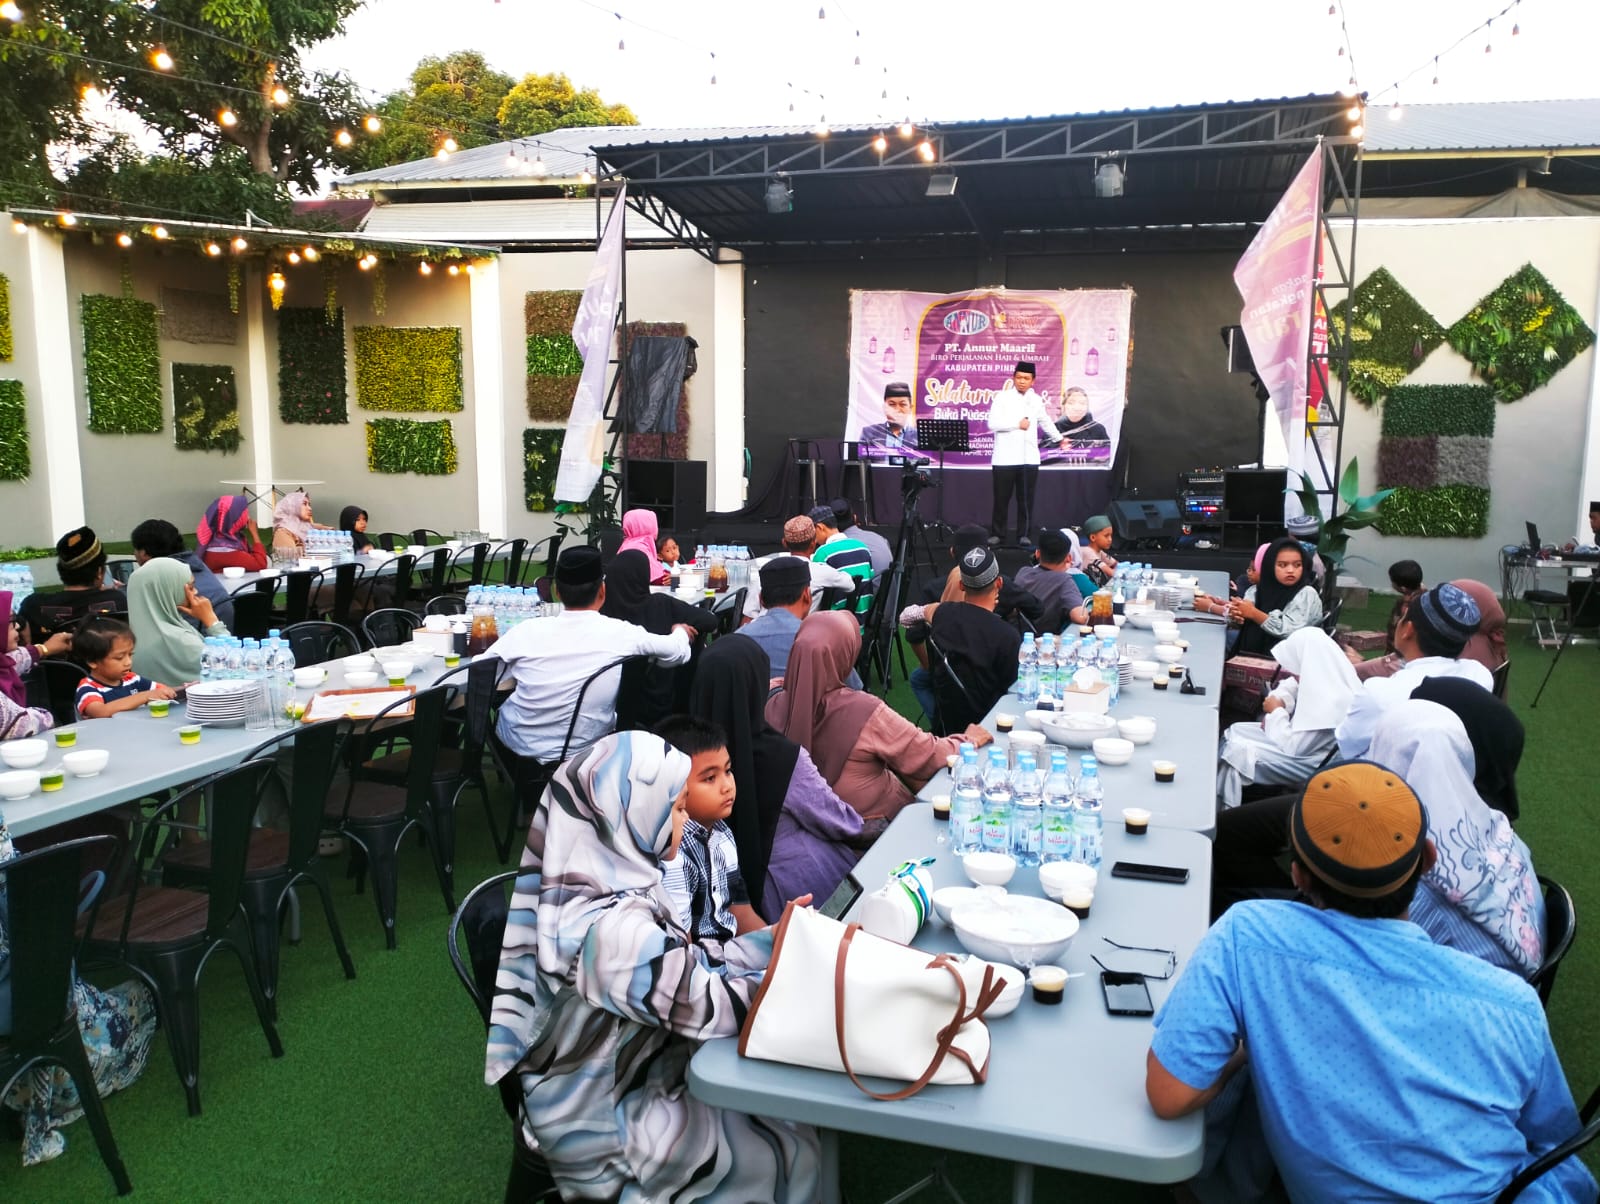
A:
{"x": 830, "y": 1165}
{"x": 1021, "y": 1183}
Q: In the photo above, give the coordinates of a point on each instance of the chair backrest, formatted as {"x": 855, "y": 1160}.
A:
{"x": 299, "y": 585}
{"x": 475, "y": 556}
{"x": 480, "y": 924}
{"x": 1555, "y": 1157}
{"x": 1502, "y": 679}
{"x": 385, "y": 628}
{"x": 345, "y": 579}
{"x": 550, "y": 546}
{"x": 483, "y": 680}
{"x": 390, "y": 540}
{"x": 1330, "y": 617}
{"x": 436, "y": 570}
{"x": 577, "y": 707}
{"x": 446, "y": 604}
{"x": 314, "y": 761}
{"x": 252, "y": 614}
{"x": 317, "y": 641}
{"x": 41, "y": 892}
{"x": 1560, "y": 930}
{"x": 729, "y": 609}
{"x": 405, "y": 567}
{"x": 514, "y": 551}
{"x": 61, "y": 680}
{"x": 427, "y": 537}
{"x": 423, "y": 733}
{"x": 952, "y": 700}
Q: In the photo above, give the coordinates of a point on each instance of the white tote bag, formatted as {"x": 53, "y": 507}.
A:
{"x": 838, "y": 998}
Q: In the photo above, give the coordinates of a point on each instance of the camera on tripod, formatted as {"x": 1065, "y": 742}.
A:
{"x": 915, "y": 476}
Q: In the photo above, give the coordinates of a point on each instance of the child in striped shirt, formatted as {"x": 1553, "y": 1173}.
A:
{"x": 106, "y": 647}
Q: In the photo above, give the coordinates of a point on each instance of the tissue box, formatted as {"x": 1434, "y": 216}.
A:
{"x": 1252, "y": 672}
{"x": 435, "y": 641}
{"x": 1094, "y": 701}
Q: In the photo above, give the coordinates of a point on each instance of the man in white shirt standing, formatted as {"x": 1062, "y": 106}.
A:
{"x": 1016, "y": 416}
{"x": 550, "y": 659}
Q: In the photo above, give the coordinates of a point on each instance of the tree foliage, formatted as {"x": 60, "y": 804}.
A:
{"x": 540, "y": 103}
{"x": 457, "y": 96}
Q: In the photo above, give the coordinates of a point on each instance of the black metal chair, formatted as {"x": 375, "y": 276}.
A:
{"x": 1588, "y": 1118}
{"x": 479, "y": 925}
{"x": 446, "y": 604}
{"x": 376, "y": 815}
{"x": 515, "y": 550}
{"x": 60, "y": 679}
{"x": 279, "y": 860}
{"x": 467, "y": 567}
{"x": 346, "y": 580}
{"x": 397, "y": 583}
{"x": 300, "y": 589}
{"x": 428, "y": 580}
{"x": 544, "y": 554}
{"x": 42, "y": 892}
{"x": 426, "y": 537}
{"x": 729, "y": 610}
{"x": 1560, "y": 930}
{"x": 386, "y": 628}
{"x": 1330, "y": 618}
{"x": 167, "y": 936}
{"x": 252, "y": 614}
{"x": 389, "y": 541}
{"x": 953, "y": 702}
{"x": 1549, "y": 614}
{"x": 317, "y": 641}
{"x": 1502, "y": 680}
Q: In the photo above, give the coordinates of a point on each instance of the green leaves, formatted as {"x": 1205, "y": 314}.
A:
{"x": 1360, "y": 510}
{"x": 15, "y": 463}
{"x": 7, "y": 349}
{"x": 1520, "y": 335}
{"x": 409, "y": 369}
{"x": 122, "y": 365}
{"x": 311, "y": 366}
{"x": 552, "y": 357}
{"x": 1439, "y": 410}
{"x": 396, "y": 445}
{"x": 1440, "y": 512}
{"x": 541, "y": 457}
{"x": 1390, "y": 338}
{"x": 205, "y": 408}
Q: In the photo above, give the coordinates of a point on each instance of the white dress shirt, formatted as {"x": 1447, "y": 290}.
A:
{"x": 549, "y": 659}
{"x": 1012, "y": 444}
{"x": 1378, "y": 694}
{"x": 823, "y": 576}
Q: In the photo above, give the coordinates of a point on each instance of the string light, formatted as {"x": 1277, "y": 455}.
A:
{"x": 441, "y": 154}
{"x": 586, "y": 176}
{"x": 425, "y": 268}
{"x": 907, "y": 129}
{"x": 538, "y": 168}
{"x": 364, "y": 264}
{"x": 344, "y": 138}
{"x": 926, "y": 151}
{"x": 19, "y": 227}
{"x": 124, "y": 239}
{"x": 1353, "y": 113}
{"x": 454, "y": 270}
{"x": 160, "y": 233}
{"x": 228, "y": 118}
{"x": 294, "y": 258}
{"x": 1358, "y": 131}
{"x": 511, "y": 159}
{"x": 239, "y": 244}
{"x": 10, "y": 11}
{"x": 449, "y": 145}
{"x": 373, "y": 123}
{"x": 280, "y": 96}
{"x": 160, "y": 59}
{"x": 213, "y": 250}
{"x": 1394, "y": 111}
{"x": 276, "y": 282}
{"x": 311, "y": 254}
{"x": 822, "y": 128}
{"x": 880, "y": 144}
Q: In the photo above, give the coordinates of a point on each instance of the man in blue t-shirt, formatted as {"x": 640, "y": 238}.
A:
{"x": 1382, "y": 1066}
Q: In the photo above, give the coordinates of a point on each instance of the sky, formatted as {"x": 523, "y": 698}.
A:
{"x": 944, "y": 60}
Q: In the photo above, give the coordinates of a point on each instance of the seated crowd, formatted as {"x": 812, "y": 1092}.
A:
{"x": 1366, "y": 867}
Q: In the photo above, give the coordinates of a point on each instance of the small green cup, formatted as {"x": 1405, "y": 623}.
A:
{"x": 66, "y": 737}
{"x": 159, "y": 707}
{"x": 452, "y": 660}
{"x": 52, "y": 779}
{"x": 189, "y": 734}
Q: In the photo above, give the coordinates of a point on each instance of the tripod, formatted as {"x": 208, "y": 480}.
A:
{"x": 882, "y": 622}
{"x": 1566, "y": 639}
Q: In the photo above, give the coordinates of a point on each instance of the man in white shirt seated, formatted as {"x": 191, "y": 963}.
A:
{"x": 549, "y": 660}
{"x": 1016, "y": 416}
{"x": 1436, "y": 627}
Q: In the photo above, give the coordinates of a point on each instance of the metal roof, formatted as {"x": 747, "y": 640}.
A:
{"x": 1518, "y": 125}
{"x": 547, "y": 221}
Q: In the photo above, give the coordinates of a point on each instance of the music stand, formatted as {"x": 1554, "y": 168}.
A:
{"x": 943, "y": 435}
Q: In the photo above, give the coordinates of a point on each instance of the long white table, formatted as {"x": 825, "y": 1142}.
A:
{"x": 378, "y": 563}
{"x": 147, "y": 757}
{"x": 1066, "y": 1084}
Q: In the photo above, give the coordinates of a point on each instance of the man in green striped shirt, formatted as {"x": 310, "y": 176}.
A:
{"x": 849, "y": 556}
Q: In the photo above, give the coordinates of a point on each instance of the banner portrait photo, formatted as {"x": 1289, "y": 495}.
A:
{"x": 916, "y": 356}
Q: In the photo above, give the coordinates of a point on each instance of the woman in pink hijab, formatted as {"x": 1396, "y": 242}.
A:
{"x": 639, "y": 531}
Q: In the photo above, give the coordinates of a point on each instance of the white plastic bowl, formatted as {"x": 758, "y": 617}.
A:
{"x": 360, "y": 663}
{"x": 1078, "y": 730}
{"x": 947, "y": 898}
{"x": 1143, "y": 670}
{"x": 233, "y": 572}
{"x": 972, "y": 971}
{"x": 1168, "y": 653}
{"x": 1137, "y": 729}
{"x": 397, "y": 668}
{"x": 361, "y": 681}
{"x": 1150, "y": 618}
{"x": 1112, "y": 750}
{"x": 989, "y": 869}
{"x": 23, "y": 754}
{"x": 310, "y": 677}
{"x": 1105, "y": 631}
{"x": 18, "y": 784}
{"x": 1056, "y": 876}
{"x": 85, "y": 762}
{"x": 1019, "y": 930}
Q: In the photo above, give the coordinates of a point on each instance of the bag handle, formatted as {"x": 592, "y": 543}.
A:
{"x": 946, "y": 1036}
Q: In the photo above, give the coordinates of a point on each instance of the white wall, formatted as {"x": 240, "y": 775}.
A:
{"x": 1538, "y": 453}
{"x": 26, "y": 505}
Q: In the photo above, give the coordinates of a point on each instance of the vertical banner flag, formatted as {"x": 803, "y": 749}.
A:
{"x": 583, "y": 449}
{"x": 917, "y": 356}
{"x": 1276, "y": 277}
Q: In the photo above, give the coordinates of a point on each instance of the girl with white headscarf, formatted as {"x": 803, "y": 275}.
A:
{"x": 1481, "y": 896}
{"x": 1297, "y": 732}
{"x": 291, "y": 520}
{"x": 602, "y": 999}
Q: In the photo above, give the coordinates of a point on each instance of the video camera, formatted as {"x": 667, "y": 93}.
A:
{"x": 915, "y": 476}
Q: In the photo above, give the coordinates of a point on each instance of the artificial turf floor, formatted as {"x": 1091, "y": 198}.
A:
{"x": 380, "y": 1093}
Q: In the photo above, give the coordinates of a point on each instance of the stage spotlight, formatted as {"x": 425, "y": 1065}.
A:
{"x": 1108, "y": 177}
{"x": 941, "y": 183}
{"x": 779, "y": 197}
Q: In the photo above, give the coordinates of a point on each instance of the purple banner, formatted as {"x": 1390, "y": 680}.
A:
{"x": 953, "y": 352}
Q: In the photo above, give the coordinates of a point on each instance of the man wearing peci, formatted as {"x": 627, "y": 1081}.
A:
{"x": 1016, "y": 416}
{"x": 899, "y": 426}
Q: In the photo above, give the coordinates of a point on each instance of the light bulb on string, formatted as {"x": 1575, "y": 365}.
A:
{"x": 280, "y": 96}
{"x": 10, "y": 11}
{"x": 311, "y": 254}
{"x": 239, "y": 244}
{"x": 906, "y": 128}
{"x": 1358, "y": 131}
{"x": 160, "y": 59}
{"x": 364, "y": 263}
{"x": 213, "y": 250}
{"x": 1395, "y": 111}
{"x": 344, "y": 138}
{"x": 1488, "y": 29}
{"x": 822, "y": 127}
{"x": 451, "y": 145}
{"x": 1353, "y": 112}
{"x": 926, "y": 151}
{"x": 512, "y": 162}
{"x": 69, "y": 219}
{"x": 228, "y": 118}
{"x": 294, "y": 257}
{"x": 454, "y": 270}
{"x": 586, "y": 176}
{"x": 18, "y": 226}
{"x": 276, "y": 282}
{"x": 880, "y": 144}
{"x": 1435, "y": 69}
{"x": 538, "y": 167}
{"x": 425, "y": 268}
{"x": 373, "y": 123}
{"x": 124, "y": 239}
{"x": 160, "y": 232}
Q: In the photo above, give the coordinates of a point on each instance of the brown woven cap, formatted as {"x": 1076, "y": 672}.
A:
{"x": 1359, "y": 828}
{"x": 799, "y": 529}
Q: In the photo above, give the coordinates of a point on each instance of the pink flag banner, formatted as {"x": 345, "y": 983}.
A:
{"x": 1276, "y": 278}
{"x": 953, "y": 352}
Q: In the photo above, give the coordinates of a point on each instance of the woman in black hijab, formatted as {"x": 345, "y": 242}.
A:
{"x": 1496, "y": 733}
{"x": 1284, "y": 600}
{"x": 796, "y": 837}
{"x": 354, "y": 520}
{"x": 648, "y": 692}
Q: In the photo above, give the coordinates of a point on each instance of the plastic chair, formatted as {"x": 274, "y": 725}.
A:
{"x": 386, "y": 628}
{"x": 279, "y": 860}
{"x": 252, "y": 614}
{"x": 1560, "y": 930}
{"x": 376, "y": 816}
{"x": 318, "y": 641}
{"x": 60, "y": 680}
{"x": 42, "y": 892}
{"x": 480, "y": 924}
{"x": 1545, "y": 1162}
{"x": 166, "y": 936}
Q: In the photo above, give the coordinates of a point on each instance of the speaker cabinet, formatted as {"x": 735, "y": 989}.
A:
{"x": 1135, "y": 519}
{"x": 674, "y": 489}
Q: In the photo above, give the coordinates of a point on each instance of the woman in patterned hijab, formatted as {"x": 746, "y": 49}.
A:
{"x": 602, "y": 999}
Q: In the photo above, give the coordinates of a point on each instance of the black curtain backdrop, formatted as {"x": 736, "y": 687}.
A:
{"x": 1184, "y": 409}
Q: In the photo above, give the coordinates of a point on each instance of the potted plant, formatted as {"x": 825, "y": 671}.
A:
{"x": 1333, "y": 540}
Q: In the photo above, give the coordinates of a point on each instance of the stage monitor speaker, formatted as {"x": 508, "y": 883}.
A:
{"x": 1134, "y": 520}
{"x": 1253, "y": 495}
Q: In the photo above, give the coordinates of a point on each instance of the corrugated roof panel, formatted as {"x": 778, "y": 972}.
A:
{"x": 1486, "y": 125}
{"x": 500, "y": 222}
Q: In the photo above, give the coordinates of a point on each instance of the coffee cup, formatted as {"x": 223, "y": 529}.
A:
{"x": 1159, "y": 681}
{"x": 1004, "y": 723}
{"x": 1078, "y": 899}
{"x": 1049, "y": 984}
{"x": 941, "y": 807}
{"x": 1165, "y": 770}
{"x": 1136, "y": 820}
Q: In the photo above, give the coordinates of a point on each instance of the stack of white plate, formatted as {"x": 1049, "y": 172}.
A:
{"x": 1124, "y": 671}
{"x": 220, "y": 703}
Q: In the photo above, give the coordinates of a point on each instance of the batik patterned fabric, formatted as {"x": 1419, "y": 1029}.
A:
{"x": 602, "y": 1000}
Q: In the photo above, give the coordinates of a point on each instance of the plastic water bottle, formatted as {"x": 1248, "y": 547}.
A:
{"x": 208, "y": 658}
{"x": 1049, "y": 676}
{"x": 251, "y": 660}
{"x": 966, "y": 805}
{"x": 1027, "y": 822}
{"x": 1088, "y": 813}
{"x": 1058, "y": 842}
{"x": 1066, "y": 661}
{"x": 233, "y": 659}
{"x": 997, "y": 798}
{"x": 1028, "y": 685}
{"x": 1110, "y": 672}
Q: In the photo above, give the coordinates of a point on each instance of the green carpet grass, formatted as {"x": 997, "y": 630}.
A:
{"x": 380, "y": 1093}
